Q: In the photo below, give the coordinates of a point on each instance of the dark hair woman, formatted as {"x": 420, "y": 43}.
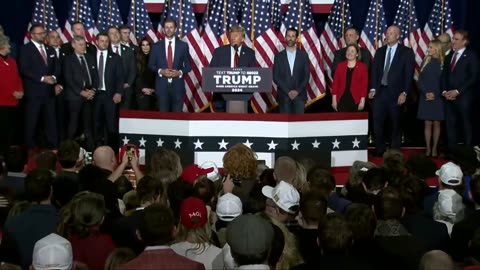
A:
{"x": 145, "y": 81}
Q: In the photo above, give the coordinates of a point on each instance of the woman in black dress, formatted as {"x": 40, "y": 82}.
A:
{"x": 431, "y": 107}
{"x": 145, "y": 81}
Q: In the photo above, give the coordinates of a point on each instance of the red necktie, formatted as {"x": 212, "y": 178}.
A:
{"x": 43, "y": 54}
{"x": 454, "y": 62}
{"x": 235, "y": 59}
{"x": 116, "y": 50}
{"x": 169, "y": 56}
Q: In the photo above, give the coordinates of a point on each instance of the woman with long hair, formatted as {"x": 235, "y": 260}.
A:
{"x": 431, "y": 107}
{"x": 194, "y": 233}
{"x": 80, "y": 222}
{"x": 350, "y": 82}
{"x": 145, "y": 81}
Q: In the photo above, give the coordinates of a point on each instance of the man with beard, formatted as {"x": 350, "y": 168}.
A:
{"x": 291, "y": 72}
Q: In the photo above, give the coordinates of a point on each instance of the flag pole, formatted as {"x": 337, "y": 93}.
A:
{"x": 225, "y": 14}
{"x": 45, "y": 15}
{"x": 376, "y": 24}
{"x": 410, "y": 23}
{"x": 180, "y": 19}
{"x": 77, "y": 11}
{"x": 135, "y": 19}
{"x": 252, "y": 30}
{"x": 110, "y": 11}
{"x": 300, "y": 22}
{"x": 442, "y": 17}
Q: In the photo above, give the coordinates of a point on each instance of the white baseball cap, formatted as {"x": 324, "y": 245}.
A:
{"x": 52, "y": 252}
{"x": 284, "y": 195}
{"x": 229, "y": 207}
{"x": 450, "y": 174}
{"x": 213, "y": 175}
{"x": 449, "y": 203}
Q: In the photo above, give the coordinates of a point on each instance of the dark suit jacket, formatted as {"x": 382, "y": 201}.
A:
{"x": 113, "y": 74}
{"x": 341, "y": 55}
{"x": 285, "y": 80}
{"x": 73, "y": 75}
{"x": 129, "y": 64}
{"x": 33, "y": 68}
{"x": 181, "y": 61}
{"x": 401, "y": 71}
{"x": 464, "y": 74}
{"x": 222, "y": 57}
{"x": 161, "y": 259}
{"x": 462, "y": 233}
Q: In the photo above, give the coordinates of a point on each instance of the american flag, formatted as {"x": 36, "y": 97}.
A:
{"x": 108, "y": 15}
{"x": 440, "y": 20}
{"x": 182, "y": 12}
{"x": 299, "y": 16}
{"x": 339, "y": 20}
{"x": 260, "y": 35}
{"x": 219, "y": 17}
{"x": 44, "y": 14}
{"x": 140, "y": 23}
{"x": 410, "y": 33}
{"x": 375, "y": 26}
{"x": 81, "y": 12}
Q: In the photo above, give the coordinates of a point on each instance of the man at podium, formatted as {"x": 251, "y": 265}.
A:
{"x": 232, "y": 55}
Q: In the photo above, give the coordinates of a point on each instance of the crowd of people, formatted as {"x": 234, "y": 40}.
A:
{"x": 57, "y": 212}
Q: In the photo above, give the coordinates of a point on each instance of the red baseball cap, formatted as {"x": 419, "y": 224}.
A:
{"x": 192, "y": 172}
{"x": 193, "y": 213}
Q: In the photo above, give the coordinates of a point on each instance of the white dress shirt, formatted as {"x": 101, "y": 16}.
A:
{"x": 119, "y": 48}
{"x": 105, "y": 55}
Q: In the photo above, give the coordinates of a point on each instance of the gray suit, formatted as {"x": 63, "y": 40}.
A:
{"x": 286, "y": 81}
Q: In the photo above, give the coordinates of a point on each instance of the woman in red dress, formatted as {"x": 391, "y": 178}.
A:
{"x": 11, "y": 90}
{"x": 350, "y": 83}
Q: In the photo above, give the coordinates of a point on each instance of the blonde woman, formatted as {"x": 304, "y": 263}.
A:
{"x": 431, "y": 107}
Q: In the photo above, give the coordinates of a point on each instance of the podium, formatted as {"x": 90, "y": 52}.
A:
{"x": 237, "y": 85}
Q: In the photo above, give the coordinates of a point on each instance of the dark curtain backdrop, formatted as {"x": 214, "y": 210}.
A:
{"x": 16, "y": 14}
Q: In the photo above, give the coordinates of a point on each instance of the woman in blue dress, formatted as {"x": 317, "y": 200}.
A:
{"x": 431, "y": 105}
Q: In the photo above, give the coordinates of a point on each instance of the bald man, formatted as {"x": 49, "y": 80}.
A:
{"x": 391, "y": 78}
{"x": 446, "y": 43}
{"x": 104, "y": 157}
{"x": 436, "y": 260}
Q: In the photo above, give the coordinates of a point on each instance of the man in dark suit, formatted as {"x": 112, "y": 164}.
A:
{"x": 77, "y": 29}
{"x": 39, "y": 69}
{"x": 351, "y": 38}
{"x": 460, "y": 72}
{"x": 391, "y": 79}
{"x": 53, "y": 40}
{"x": 224, "y": 56}
{"x": 157, "y": 230}
{"x": 148, "y": 191}
{"x": 170, "y": 59}
{"x": 108, "y": 94}
{"x": 125, "y": 38}
{"x": 81, "y": 80}
{"x": 291, "y": 72}
{"x": 129, "y": 67}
